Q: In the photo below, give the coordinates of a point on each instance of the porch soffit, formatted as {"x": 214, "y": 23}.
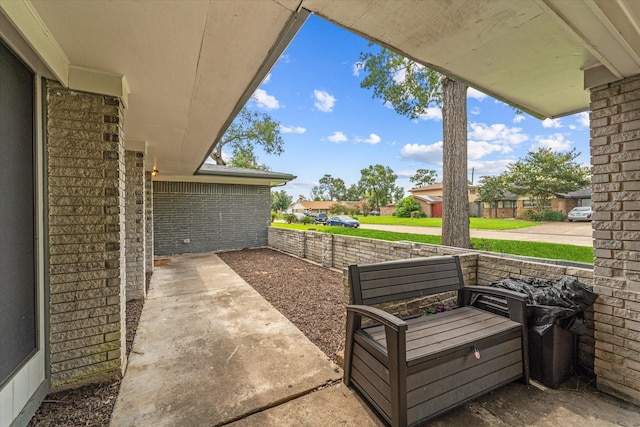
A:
{"x": 190, "y": 64}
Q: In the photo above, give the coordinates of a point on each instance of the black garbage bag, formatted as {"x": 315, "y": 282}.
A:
{"x": 552, "y": 300}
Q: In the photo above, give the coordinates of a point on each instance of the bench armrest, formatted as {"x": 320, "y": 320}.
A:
{"x": 516, "y": 301}
{"x": 378, "y": 315}
{"x": 499, "y": 292}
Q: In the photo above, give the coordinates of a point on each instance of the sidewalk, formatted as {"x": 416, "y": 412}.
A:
{"x": 210, "y": 350}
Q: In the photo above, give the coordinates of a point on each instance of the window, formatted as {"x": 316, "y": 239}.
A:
{"x": 508, "y": 204}
{"x": 18, "y": 339}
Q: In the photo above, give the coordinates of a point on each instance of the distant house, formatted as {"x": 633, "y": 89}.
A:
{"x": 513, "y": 206}
{"x": 321, "y": 206}
{"x": 430, "y": 198}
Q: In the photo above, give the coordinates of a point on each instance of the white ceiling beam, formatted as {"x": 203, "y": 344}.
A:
{"x": 97, "y": 81}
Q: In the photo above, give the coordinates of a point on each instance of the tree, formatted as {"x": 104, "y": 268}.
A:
{"x": 354, "y": 192}
{"x": 332, "y": 188}
{"x": 378, "y": 183}
{"x": 492, "y": 189}
{"x": 248, "y": 130}
{"x": 544, "y": 173}
{"x": 424, "y": 177}
{"x": 411, "y": 89}
{"x": 317, "y": 193}
{"x": 280, "y": 201}
{"x": 398, "y": 194}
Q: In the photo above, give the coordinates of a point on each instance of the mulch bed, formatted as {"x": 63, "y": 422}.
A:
{"x": 310, "y": 296}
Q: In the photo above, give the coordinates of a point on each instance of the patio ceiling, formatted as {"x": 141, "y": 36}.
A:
{"x": 189, "y": 66}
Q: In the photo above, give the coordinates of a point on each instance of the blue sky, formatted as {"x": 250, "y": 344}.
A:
{"x": 332, "y": 126}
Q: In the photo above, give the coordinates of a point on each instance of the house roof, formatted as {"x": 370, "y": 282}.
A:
{"x": 429, "y": 199}
{"x": 436, "y": 186}
{"x": 232, "y": 175}
{"x": 313, "y": 204}
{"x": 185, "y": 68}
{"x": 584, "y": 193}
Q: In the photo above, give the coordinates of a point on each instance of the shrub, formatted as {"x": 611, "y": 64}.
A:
{"x": 290, "y": 218}
{"x": 306, "y": 219}
{"x": 532, "y": 215}
{"x": 337, "y": 209}
{"x": 553, "y": 216}
{"x": 273, "y": 216}
{"x": 408, "y": 208}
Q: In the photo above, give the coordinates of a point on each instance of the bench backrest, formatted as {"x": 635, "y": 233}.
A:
{"x": 402, "y": 279}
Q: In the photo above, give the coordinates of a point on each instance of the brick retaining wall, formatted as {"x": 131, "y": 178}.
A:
{"x": 477, "y": 268}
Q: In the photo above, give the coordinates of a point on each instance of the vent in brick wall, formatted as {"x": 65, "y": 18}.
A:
{"x": 206, "y": 188}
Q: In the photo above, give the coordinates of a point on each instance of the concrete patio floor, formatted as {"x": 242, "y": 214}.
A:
{"x": 210, "y": 351}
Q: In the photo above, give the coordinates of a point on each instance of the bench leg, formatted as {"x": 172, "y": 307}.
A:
{"x": 348, "y": 347}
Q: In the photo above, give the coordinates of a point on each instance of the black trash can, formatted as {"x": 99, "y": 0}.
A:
{"x": 552, "y": 355}
{"x": 555, "y": 320}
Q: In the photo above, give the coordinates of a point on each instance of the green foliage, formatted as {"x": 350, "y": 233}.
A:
{"x": 280, "y": 201}
{"x": 338, "y": 209}
{"x": 354, "y": 192}
{"x": 546, "y": 215}
{"x": 249, "y": 130}
{"x": 408, "y": 208}
{"x": 544, "y": 173}
{"x": 306, "y": 220}
{"x": 424, "y": 177}
{"x": 274, "y": 215}
{"x": 289, "y": 218}
{"x": 492, "y": 189}
{"x": 406, "y": 85}
{"x": 378, "y": 182}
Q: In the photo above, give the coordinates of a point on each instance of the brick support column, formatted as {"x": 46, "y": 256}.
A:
{"x": 85, "y": 194}
{"x": 615, "y": 159}
{"x": 135, "y": 224}
{"x": 148, "y": 222}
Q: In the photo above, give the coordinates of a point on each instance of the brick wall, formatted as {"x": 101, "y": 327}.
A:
{"x": 135, "y": 224}
{"x": 477, "y": 268}
{"x": 85, "y": 196}
{"x": 615, "y": 160}
{"x": 148, "y": 221}
{"x": 203, "y": 217}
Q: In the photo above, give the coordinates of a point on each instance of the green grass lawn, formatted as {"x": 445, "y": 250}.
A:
{"x": 513, "y": 247}
{"x": 475, "y": 223}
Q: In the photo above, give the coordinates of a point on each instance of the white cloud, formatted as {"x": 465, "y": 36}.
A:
{"x": 583, "y": 119}
{"x": 432, "y": 113}
{"x": 357, "y": 67}
{"x": 488, "y": 167}
{"x": 264, "y": 100}
{"x": 555, "y": 142}
{"x": 324, "y": 101}
{"x": 496, "y": 133}
{"x": 551, "y": 123}
{"x": 424, "y": 153}
{"x": 373, "y": 139}
{"x": 267, "y": 79}
{"x": 519, "y": 118}
{"x": 476, "y": 94}
{"x": 337, "y": 136}
{"x": 296, "y": 129}
{"x": 406, "y": 174}
{"x": 478, "y": 149}
{"x": 475, "y": 111}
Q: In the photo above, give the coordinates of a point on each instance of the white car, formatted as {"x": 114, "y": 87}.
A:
{"x": 580, "y": 213}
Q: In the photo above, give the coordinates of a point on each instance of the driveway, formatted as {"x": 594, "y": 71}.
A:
{"x": 572, "y": 233}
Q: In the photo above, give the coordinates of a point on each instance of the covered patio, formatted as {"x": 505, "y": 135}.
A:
{"x": 106, "y": 99}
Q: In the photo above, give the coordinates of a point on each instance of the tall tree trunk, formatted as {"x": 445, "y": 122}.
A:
{"x": 455, "y": 199}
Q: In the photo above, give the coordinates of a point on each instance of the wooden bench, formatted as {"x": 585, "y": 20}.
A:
{"x": 417, "y": 368}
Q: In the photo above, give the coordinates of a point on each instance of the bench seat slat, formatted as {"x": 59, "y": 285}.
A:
{"x": 418, "y": 275}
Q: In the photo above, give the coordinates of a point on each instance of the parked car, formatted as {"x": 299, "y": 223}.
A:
{"x": 320, "y": 218}
{"x": 344, "y": 221}
{"x": 581, "y": 213}
{"x": 374, "y": 213}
